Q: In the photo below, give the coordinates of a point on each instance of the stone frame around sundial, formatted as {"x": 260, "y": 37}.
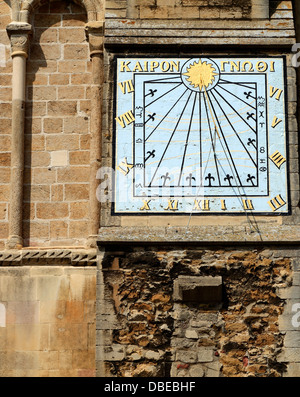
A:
{"x": 279, "y": 205}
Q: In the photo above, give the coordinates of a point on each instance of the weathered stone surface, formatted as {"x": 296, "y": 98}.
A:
{"x": 198, "y": 289}
{"x": 238, "y": 339}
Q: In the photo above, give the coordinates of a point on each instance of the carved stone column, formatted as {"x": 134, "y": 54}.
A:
{"x": 19, "y": 37}
{"x": 95, "y": 35}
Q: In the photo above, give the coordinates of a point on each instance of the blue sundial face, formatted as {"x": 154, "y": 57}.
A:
{"x": 200, "y": 135}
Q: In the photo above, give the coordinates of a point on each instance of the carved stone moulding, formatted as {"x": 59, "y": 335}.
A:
{"x": 49, "y": 257}
{"x": 19, "y": 33}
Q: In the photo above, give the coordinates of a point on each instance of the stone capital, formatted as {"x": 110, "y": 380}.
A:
{"x": 95, "y": 36}
{"x": 19, "y": 33}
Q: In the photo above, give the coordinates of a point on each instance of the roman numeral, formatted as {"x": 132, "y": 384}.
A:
{"x": 247, "y": 204}
{"x": 145, "y": 206}
{"x": 223, "y": 205}
{"x": 276, "y": 121}
{"x": 204, "y": 205}
{"x": 124, "y": 167}
{"x": 125, "y": 119}
{"x": 172, "y": 205}
{"x": 273, "y": 91}
{"x": 276, "y": 203}
{"x": 126, "y": 86}
{"x": 278, "y": 159}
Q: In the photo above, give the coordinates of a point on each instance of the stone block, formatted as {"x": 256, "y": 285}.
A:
{"x": 196, "y": 371}
{"x": 17, "y": 288}
{"x": 27, "y": 337}
{"x": 106, "y": 321}
{"x": 198, "y": 289}
{"x": 212, "y": 370}
{"x": 75, "y": 51}
{"x": 59, "y": 79}
{"x": 81, "y": 157}
{"x": 78, "y": 228}
{"x": 26, "y": 312}
{"x": 45, "y": 51}
{"x": 74, "y": 66}
{"x": 296, "y": 278}
{"x": 191, "y": 334}
{"x": 73, "y": 174}
{"x": 62, "y": 108}
{"x": 75, "y": 192}
{"x": 289, "y": 355}
{"x": 52, "y": 210}
{"x": 39, "y": 159}
{"x": 81, "y": 78}
{"x": 3, "y": 211}
{"x": 78, "y": 125}
{"x": 52, "y": 288}
{"x": 57, "y": 192}
{"x": 292, "y": 339}
{"x": 68, "y": 336}
{"x": 49, "y": 360}
{"x": 46, "y": 20}
{"x": 289, "y": 293}
{"x": 3, "y": 230}
{"x": 65, "y": 359}
{"x": 79, "y": 210}
{"x": 83, "y": 359}
{"x": 114, "y": 353}
{"x": 293, "y": 370}
{"x": 71, "y": 92}
{"x": 59, "y": 229}
{"x": 36, "y": 230}
{"x": 72, "y": 35}
{"x": 205, "y": 355}
{"x": 296, "y": 264}
{"x": 4, "y": 159}
{"x": 74, "y": 20}
{"x": 187, "y": 356}
{"x": 59, "y": 158}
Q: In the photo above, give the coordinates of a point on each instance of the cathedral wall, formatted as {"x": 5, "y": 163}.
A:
{"x": 186, "y": 295}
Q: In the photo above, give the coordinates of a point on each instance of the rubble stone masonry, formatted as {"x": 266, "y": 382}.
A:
{"x": 151, "y": 333}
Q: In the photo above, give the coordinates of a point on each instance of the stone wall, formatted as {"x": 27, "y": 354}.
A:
{"x": 56, "y": 190}
{"x": 187, "y": 9}
{"x": 143, "y": 329}
{"x": 49, "y": 327}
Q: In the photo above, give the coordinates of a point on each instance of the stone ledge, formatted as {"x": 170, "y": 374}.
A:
{"x": 198, "y": 289}
{"x": 74, "y": 257}
{"x": 276, "y": 32}
{"x": 272, "y": 234}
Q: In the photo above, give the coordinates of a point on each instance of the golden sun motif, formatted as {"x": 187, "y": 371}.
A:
{"x": 201, "y": 74}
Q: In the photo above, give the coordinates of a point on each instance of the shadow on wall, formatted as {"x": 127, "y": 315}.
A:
{"x": 273, "y": 7}
{"x": 45, "y": 54}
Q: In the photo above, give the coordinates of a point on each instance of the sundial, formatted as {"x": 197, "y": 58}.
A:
{"x": 201, "y": 135}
